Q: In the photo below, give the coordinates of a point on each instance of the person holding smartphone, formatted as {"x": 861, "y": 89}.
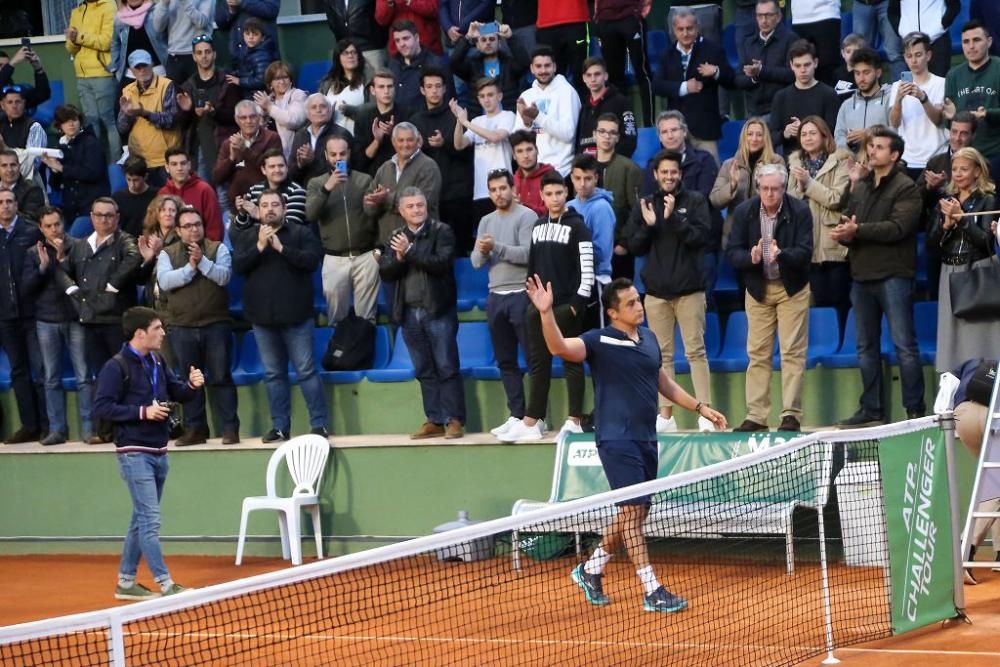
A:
{"x": 915, "y": 105}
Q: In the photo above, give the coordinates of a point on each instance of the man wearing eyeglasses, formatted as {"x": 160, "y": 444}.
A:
{"x": 100, "y": 275}
{"x": 241, "y": 157}
{"x": 499, "y": 55}
{"x": 764, "y": 59}
{"x": 148, "y": 115}
{"x": 195, "y": 272}
{"x": 182, "y": 20}
{"x": 622, "y": 177}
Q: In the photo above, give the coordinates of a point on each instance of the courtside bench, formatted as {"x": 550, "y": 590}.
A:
{"x": 578, "y": 473}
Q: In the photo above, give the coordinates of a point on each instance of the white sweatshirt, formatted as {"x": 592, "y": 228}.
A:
{"x": 558, "y": 112}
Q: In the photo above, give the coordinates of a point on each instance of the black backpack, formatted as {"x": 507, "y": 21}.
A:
{"x": 352, "y": 346}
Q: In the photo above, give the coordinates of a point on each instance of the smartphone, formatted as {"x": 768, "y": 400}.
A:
{"x": 341, "y": 166}
{"x": 26, "y": 42}
{"x": 489, "y": 28}
{"x": 200, "y": 97}
{"x": 906, "y": 77}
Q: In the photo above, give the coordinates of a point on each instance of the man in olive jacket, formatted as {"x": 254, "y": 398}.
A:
{"x": 879, "y": 229}
{"x": 335, "y": 201}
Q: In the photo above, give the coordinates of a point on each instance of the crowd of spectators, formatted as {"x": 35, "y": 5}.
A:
{"x": 440, "y": 132}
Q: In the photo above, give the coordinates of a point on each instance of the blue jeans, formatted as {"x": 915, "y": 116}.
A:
{"x": 208, "y": 348}
{"x": 53, "y": 338}
{"x": 278, "y": 346}
{"x": 894, "y": 298}
{"x": 873, "y": 20}
{"x": 144, "y": 474}
{"x": 434, "y": 351}
{"x": 97, "y": 101}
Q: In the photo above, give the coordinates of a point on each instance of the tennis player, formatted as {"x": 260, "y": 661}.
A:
{"x": 624, "y": 360}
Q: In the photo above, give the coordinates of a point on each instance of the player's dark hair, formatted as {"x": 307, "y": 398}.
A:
{"x": 611, "y": 294}
{"x": 552, "y": 178}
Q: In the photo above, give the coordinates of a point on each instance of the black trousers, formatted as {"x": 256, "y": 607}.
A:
{"x": 540, "y": 362}
{"x": 16, "y": 338}
{"x": 624, "y": 40}
{"x": 571, "y": 42}
{"x": 207, "y": 348}
{"x": 101, "y": 342}
{"x": 830, "y": 283}
{"x": 941, "y": 55}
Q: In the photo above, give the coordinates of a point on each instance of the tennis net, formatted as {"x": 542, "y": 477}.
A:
{"x": 748, "y": 543}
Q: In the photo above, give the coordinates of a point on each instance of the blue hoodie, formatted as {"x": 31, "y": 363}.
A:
{"x": 599, "y": 216}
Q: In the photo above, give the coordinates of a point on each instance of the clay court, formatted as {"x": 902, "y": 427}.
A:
{"x": 535, "y": 616}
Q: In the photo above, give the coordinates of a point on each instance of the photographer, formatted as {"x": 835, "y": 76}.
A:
{"x": 135, "y": 391}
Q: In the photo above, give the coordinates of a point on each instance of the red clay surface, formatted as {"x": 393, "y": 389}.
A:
{"x": 533, "y": 617}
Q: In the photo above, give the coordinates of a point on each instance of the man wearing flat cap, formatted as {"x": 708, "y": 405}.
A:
{"x": 148, "y": 115}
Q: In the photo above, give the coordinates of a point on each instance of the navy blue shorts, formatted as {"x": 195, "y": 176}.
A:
{"x": 628, "y": 462}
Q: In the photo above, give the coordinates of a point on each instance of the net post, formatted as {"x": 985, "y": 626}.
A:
{"x": 515, "y": 544}
{"x": 946, "y": 421}
{"x": 825, "y": 575}
{"x": 117, "y": 641}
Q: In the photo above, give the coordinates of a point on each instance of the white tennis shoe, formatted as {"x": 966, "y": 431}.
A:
{"x": 504, "y": 427}
{"x": 665, "y": 425}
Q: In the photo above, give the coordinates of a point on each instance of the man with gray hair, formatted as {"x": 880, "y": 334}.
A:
{"x": 418, "y": 262}
{"x": 771, "y": 246}
{"x": 307, "y": 159}
{"x": 241, "y": 157}
{"x": 407, "y": 167}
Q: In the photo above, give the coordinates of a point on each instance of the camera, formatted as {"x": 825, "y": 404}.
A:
{"x": 174, "y": 421}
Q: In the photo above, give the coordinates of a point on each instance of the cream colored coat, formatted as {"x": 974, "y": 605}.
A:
{"x": 825, "y": 194}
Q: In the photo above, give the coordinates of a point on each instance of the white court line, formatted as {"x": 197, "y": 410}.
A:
{"x": 284, "y": 636}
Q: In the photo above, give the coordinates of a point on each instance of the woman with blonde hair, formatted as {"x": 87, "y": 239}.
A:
{"x": 964, "y": 241}
{"x": 735, "y": 183}
{"x": 283, "y": 103}
{"x": 159, "y": 230}
{"x": 818, "y": 172}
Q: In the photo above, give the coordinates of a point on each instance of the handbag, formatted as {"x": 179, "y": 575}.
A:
{"x": 975, "y": 293}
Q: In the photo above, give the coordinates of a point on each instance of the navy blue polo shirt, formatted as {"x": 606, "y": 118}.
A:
{"x": 626, "y": 383}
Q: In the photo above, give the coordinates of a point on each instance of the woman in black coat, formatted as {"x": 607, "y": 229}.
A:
{"x": 82, "y": 174}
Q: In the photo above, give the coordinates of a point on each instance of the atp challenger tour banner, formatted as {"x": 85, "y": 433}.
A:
{"x": 918, "y": 523}
{"x": 580, "y": 472}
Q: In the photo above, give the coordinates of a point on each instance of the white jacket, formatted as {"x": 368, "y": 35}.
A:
{"x": 558, "y": 111}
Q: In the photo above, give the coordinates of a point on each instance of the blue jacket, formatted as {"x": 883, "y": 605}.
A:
{"x": 460, "y": 13}
{"x": 125, "y": 405}
{"x": 119, "y": 43}
{"x": 699, "y": 172}
{"x": 701, "y": 110}
{"x": 599, "y": 216}
{"x": 265, "y": 10}
{"x": 251, "y": 64}
{"x": 13, "y": 248}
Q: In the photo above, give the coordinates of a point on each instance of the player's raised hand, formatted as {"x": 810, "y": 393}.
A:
{"x": 540, "y": 296}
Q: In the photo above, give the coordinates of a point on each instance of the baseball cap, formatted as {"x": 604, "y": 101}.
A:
{"x": 139, "y": 57}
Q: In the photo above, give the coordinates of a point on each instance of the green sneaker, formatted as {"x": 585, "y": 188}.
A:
{"x": 174, "y": 589}
{"x": 134, "y": 592}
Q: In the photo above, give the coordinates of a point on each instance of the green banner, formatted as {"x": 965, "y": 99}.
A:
{"x": 918, "y": 521}
{"x": 581, "y": 474}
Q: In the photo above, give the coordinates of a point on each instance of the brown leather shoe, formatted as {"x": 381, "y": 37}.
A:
{"x": 230, "y": 438}
{"x": 95, "y": 440}
{"x": 790, "y": 424}
{"x": 191, "y": 437}
{"x": 454, "y": 429}
{"x": 23, "y": 435}
{"x": 428, "y": 430}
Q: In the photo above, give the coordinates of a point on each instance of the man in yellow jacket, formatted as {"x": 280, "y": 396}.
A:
{"x": 88, "y": 40}
{"x": 148, "y": 115}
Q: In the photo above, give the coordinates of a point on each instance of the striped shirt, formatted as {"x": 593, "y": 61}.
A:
{"x": 767, "y": 223}
{"x": 295, "y": 201}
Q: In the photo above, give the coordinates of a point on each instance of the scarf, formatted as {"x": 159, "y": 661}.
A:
{"x": 813, "y": 166}
{"x": 134, "y": 18}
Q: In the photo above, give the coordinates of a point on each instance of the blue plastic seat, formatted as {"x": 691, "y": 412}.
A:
{"x": 5, "y": 382}
{"x": 730, "y": 46}
{"x": 45, "y": 112}
{"x": 319, "y": 299}
{"x": 732, "y": 358}
{"x": 68, "y": 374}
{"x": 116, "y": 177}
{"x": 647, "y": 145}
{"x": 921, "y": 277}
{"x": 235, "y": 290}
{"x": 726, "y": 285}
{"x": 640, "y": 286}
{"x": 824, "y": 337}
{"x": 847, "y": 355}
{"x": 846, "y": 25}
{"x": 730, "y": 140}
{"x": 656, "y": 44}
{"x": 925, "y": 321}
{"x": 492, "y": 371}
{"x": 399, "y": 368}
{"x": 472, "y": 284}
{"x": 311, "y": 73}
{"x": 713, "y": 339}
{"x": 81, "y": 227}
{"x": 475, "y": 347}
{"x": 955, "y": 31}
{"x": 250, "y": 369}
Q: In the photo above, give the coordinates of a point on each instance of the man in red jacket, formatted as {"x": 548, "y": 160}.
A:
{"x": 181, "y": 181}
{"x": 424, "y": 13}
{"x": 565, "y": 26}
{"x": 528, "y": 177}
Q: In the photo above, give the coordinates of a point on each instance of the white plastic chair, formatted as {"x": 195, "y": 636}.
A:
{"x": 305, "y": 457}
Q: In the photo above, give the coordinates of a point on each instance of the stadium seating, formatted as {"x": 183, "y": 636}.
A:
{"x": 732, "y": 358}
{"x": 730, "y": 140}
{"x": 824, "y": 337}
{"x": 311, "y": 73}
{"x": 713, "y": 339}
{"x": 46, "y": 111}
{"x": 647, "y": 145}
{"x": 249, "y": 370}
{"x": 81, "y": 227}
{"x": 846, "y": 24}
{"x": 921, "y": 277}
{"x": 656, "y": 44}
{"x": 399, "y": 368}
{"x": 235, "y": 289}
{"x": 321, "y": 339}
{"x": 925, "y": 320}
{"x": 319, "y": 299}
{"x": 729, "y": 44}
{"x": 847, "y": 355}
{"x": 116, "y": 177}
{"x": 5, "y": 383}
{"x": 956, "y": 28}
{"x": 472, "y": 284}
{"x": 726, "y": 285}
{"x": 475, "y": 347}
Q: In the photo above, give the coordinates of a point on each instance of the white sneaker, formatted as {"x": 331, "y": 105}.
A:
{"x": 504, "y": 427}
{"x": 571, "y": 426}
{"x": 521, "y": 432}
{"x": 665, "y": 425}
{"x": 705, "y": 425}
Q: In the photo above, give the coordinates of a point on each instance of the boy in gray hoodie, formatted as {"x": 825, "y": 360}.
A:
{"x": 868, "y": 106}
